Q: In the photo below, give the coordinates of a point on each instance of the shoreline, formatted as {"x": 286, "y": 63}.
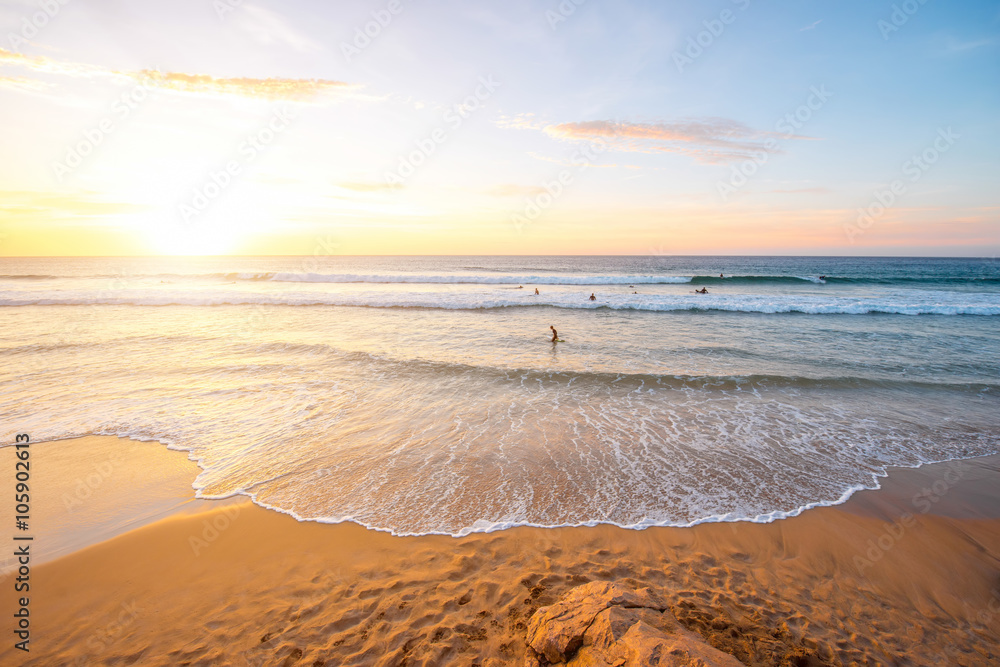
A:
{"x": 162, "y": 464}
{"x": 909, "y": 573}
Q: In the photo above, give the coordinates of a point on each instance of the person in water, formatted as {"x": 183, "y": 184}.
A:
{"x": 536, "y": 290}
{"x": 703, "y": 290}
{"x": 592, "y": 297}
{"x": 555, "y": 334}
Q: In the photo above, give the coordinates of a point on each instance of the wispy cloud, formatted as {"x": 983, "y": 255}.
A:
{"x": 803, "y": 191}
{"x": 21, "y": 83}
{"x": 373, "y": 186}
{"x": 32, "y": 205}
{"x": 710, "y": 140}
{"x": 269, "y": 28}
{"x": 520, "y": 121}
{"x": 275, "y": 88}
{"x": 272, "y": 88}
{"x": 811, "y": 26}
{"x": 955, "y": 46}
{"x": 514, "y": 190}
{"x": 49, "y": 66}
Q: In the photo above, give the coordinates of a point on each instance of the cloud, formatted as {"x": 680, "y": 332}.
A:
{"x": 811, "y": 191}
{"x": 20, "y": 83}
{"x": 373, "y": 186}
{"x": 31, "y": 205}
{"x": 273, "y": 88}
{"x": 520, "y": 121}
{"x": 49, "y": 66}
{"x": 297, "y": 90}
{"x": 811, "y": 26}
{"x": 710, "y": 140}
{"x": 955, "y": 46}
{"x": 513, "y": 190}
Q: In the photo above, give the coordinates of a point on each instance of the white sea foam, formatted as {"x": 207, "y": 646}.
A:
{"x": 903, "y": 302}
{"x": 461, "y": 417}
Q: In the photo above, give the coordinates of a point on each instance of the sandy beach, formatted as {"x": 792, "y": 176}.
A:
{"x": 905, "y": 575}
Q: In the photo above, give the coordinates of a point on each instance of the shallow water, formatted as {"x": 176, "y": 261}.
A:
{"x": 423, "y": 395}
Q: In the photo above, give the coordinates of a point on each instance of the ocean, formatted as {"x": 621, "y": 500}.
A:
{"x": 422, "y": 395}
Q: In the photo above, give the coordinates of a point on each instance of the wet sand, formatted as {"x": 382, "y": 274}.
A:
{"x": 908, "y": 574}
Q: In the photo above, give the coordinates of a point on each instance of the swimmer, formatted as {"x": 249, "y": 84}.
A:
{"x": 592, "y": 297}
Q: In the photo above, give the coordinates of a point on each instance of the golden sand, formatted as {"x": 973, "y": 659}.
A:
{"x": 894, "y": 576}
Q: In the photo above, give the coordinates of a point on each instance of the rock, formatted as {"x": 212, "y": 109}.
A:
{"x": 604, "y": 624}
{"x": 557, "y": 631}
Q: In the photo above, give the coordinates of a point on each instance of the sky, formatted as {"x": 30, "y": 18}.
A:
{"x": 856, "y": 127}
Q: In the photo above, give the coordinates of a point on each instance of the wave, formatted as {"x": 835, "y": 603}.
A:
{"x": 495, "y": 277}
{"x": 29, "y": 277}
{"x": 926, "y": 303}
{"x": 751, "y": 280}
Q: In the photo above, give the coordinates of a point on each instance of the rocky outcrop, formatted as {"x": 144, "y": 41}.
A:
{"x": 604, "y": 624}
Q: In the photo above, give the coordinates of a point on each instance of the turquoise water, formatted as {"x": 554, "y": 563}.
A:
{"x": 422, "y": 395}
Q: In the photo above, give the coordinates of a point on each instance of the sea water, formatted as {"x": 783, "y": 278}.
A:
{"x": 423, "y": 395}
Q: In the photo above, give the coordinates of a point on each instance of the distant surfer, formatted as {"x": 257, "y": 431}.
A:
{"x": 721, "y": 276}
{"x": 555, "y": 334}
{"x": 592, "y": 297}
{"x": 822, "y": 277}
{"x": 536, "y": 290}
{"x": 703, "y": 290}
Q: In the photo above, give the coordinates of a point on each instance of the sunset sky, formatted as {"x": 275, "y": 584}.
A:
{"x": 522, "y": 127}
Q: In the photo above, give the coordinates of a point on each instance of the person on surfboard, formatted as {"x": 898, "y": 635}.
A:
{"x": 555, "y": 334}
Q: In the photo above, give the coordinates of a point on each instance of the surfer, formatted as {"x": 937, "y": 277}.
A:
{"x": 555, "y": 334}
{"x": 536, "y": 290}
{"x": 592, "y": 297}
{"x": 703, "y": 290}
{"x": 721, "y": 276}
